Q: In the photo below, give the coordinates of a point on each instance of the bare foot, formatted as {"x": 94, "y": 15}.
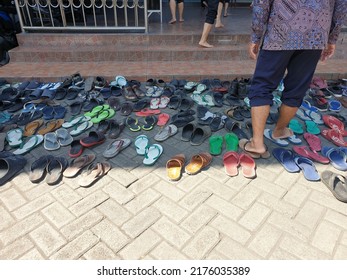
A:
{"x": 172, "y": 21}
{"x": 205, "y": 45}
{"x": 220, "y": 25}
{"x": 282, "y": 133}
{"x": 181, "y": 20}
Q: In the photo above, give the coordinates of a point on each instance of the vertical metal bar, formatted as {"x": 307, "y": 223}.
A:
{"x": 19, "y": 13}
{"x": 84, "y": 14}
{"x": 39, "y": 10}
{"x": 104, "y": 8}
{"x": 136, "y": 13}
{"x": 50, "y": 12}
{"x": 62, "y": 12}
{"x": 126, "y": 12}
{"x": 145, "y": 16}
{"x": 115, "y": 12}
{"x": 93, "y": 2}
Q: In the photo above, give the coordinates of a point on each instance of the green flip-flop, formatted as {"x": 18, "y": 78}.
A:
{"x": 296, "y": 126}
{"x": 216, "y": 144}
{"x": 312, "y": 127}
{"x": 103, "y": 115}
{"x": 96, "y": 110}
{"x": 232, "y": 142}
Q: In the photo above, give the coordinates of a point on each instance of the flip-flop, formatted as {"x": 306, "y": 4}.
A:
{"x": 312, "y": 127}
{"x": 29, "y": 144}
{"x": 334, "y": 105}
{"x": 63, "y": 137}
{"x": 50, "y": 126}
{"x": 75, "y": 120}
{"x": 235, "y": 127}
{"x": 166, "y": 132}
{"x": 336, "y": 183}
{"x": 187, "y": 131}
{"x": 296, "y": 126}
{"x": 141, "y": 143}
{"x": 38, "y": 168}
{"x": 93, "y": 138}
{"x": 294, "y": 139}
{"x": 132, "y": 124}
{"x": 304, "y": 151}
{"x": 150, "y": 122}
{"x": 216, "y": 145}
{"x": 32, "y": 127}
{"x": 174, "y": 167}
{"x": 337, "y": 159}
{"x": 308, "y": 168}
{"x": 51, "y": 141}
{"x": 335, "y": 123}
{"x": 243, "y": 145}
{"x": 163, "y": 118}
{"x": 97, "y": 110}
{"x": 231, "y": 142}
{"x": 279, "y": 142}
{"x": 55, "y": 169}
{"x": 286, "y": 158}
{"x": 103, "y": 115}
{"x": 302, "y": 115}
{"x": 152, "y": 153}
{"x": 247, "y": 164}
{"x": 315, "y": 116}
{"x": 14, "y": 137}
{"x": 77, "y": 164}
{"x": 94, "y": 173}
{"x": 115, "y": 147}
{"x": 76, "y": 149}
{"x": 199, "y": 135}
{"x": 231, "y": 162}
{"x": 313, "y": 141}
{"x": 154, "y": 103}
{"x": 81, "y": 127}
{"x": 334, "y": 136}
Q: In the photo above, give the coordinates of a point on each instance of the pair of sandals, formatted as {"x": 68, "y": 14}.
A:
{"x": 134, "y": 125}
{"x": 151, "y": 153}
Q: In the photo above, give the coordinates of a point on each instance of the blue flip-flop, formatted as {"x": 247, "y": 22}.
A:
{"x": 334, "y": 105}
{"x": 279, "y": 142}
{"x": 337, "y": 159}
{"x": 308, "y": 168}
{"x": 286, "y": 158}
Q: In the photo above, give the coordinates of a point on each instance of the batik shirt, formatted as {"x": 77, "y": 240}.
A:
{"x": 297, "y": 24}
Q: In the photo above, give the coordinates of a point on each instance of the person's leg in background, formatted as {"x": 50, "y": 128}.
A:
{"x": 180, "y": 5}
{"x": 300, "y": 71}
{"x": 226, "y": 6}
{"x": 173, "y": 11}
{"x": 219, "y": 23}
{"x": 209, "y": 21}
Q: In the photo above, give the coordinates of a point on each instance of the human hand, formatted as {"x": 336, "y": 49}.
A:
{"x": 328, "y": 52}
{"x": 253, "y": 50}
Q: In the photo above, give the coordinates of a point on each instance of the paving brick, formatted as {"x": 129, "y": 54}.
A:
{"x": 39, "y": 190}
{"x": 165, "y": 251}
{"x": 171, "y": 232}
{"x": 224, "y": 207}
{"x": 234, "y": 251}
{"x": 114, "y": 212}
{"x": 57, "y": 214}
{"x": 138, "y": 248}
{"x": 344, "y": 238}
{"x": 144, "y": 183}
{"x": 189, "y": 182}
{"x": 33, "y": 206}
{"x": 285, "y": 179}
{"x": 142, "y": 201}
{"x": 195, "y": 198}
{"x": 47, "y": 239}
{"x": 100, "y": 252}
{"x": 254, "y": 217}
{"x": 277, "y": 204}
{"x": 265, "y": 240}
{"x": 119, "y": 193}
{"x": 110, "y": 235}
{"x": 6, "y": 219}
{"x": 218, "y": 188}
{"x": 169, "y": 190}
{"x": 123, "y": 177}
{"x": 140, "y": 170}
{"x": 246, "y": 197}
{"x": 231, "y": 229}
{"x": 170, "y": 209}
{"x": 279, "y": 254}
{"x": 309, "y": 214}
{"x": 16, "y": 249}
{"x": 22, "y": 182}
{"x": 301, "y": 250}
{"x": 76, "y": 247}
{"x": 215, "y": 256}
{"x": 297, "y": 194}
{"x": 33, "y": 254}
{"x": 21, "y": 228}
{"x": 199, "y": 218}
{"x": 336, "y": 218}
{"x": 141, "y": 222}
{"x": 217, "y": 175}
{"x": 268, "y": 186}
{"x": 237, "y": 183}
{"x": 325, "y": 237}
{"x": 266, "y": 174}
{"x": 88, "y": 203}
{"x": 202, "y": 243}
{"x": 328, "y": 201}
{"x": 285, "y": 224}
{"x": 12, "y": 199}
{"x": 341, "y": 253}
{"x": 65, "y": 195}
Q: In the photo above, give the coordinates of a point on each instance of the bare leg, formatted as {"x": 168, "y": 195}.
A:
{"x": 173, "y": 11}
{"x": 259, "y": 116}
{"x": 226, "y": 6}
{"x": 204, "y": 36}
{"x": 286, "y": 114}
{"x": 219, "y": 23}
{"x": 180, "y": 11}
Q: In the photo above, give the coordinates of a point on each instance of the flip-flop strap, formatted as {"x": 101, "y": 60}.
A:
{"x": 147, "y": 151}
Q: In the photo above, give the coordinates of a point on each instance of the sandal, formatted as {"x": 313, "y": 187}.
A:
{"x": 174, "y": 167}
{"x": 243, "y": 143}
{"x": 198, "y": 162}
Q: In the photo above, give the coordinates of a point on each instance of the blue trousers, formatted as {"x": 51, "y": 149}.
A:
{"x": 270, "y": 69}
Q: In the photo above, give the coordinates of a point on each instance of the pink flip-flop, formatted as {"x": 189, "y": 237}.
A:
{"x": 163, "y": 118}
{"x": 231, "y": 162}
{"x": 248, "y": 166}
{"x": 307, "y": 153}
{"x": 335, "y": 123}
{"x": 313, "y": 141}
{"x": 334, "y": 136}
{"x": 147, "y": 112}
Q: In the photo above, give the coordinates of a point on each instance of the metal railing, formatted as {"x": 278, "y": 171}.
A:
{"x": 79, "y": 15}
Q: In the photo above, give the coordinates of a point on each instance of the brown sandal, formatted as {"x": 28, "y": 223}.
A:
{"x": 174, "y": 167}
{"x": 50, "y": 126}
{"x": 198, "y": 162}
{"x": 243, "y": 143}
{"x": 31, "y": 128}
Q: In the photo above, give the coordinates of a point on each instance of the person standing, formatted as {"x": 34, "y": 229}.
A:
{"x": 288, "y": 36}
{"x": 214, "y": 12}
{"x": 173, "y": 5}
